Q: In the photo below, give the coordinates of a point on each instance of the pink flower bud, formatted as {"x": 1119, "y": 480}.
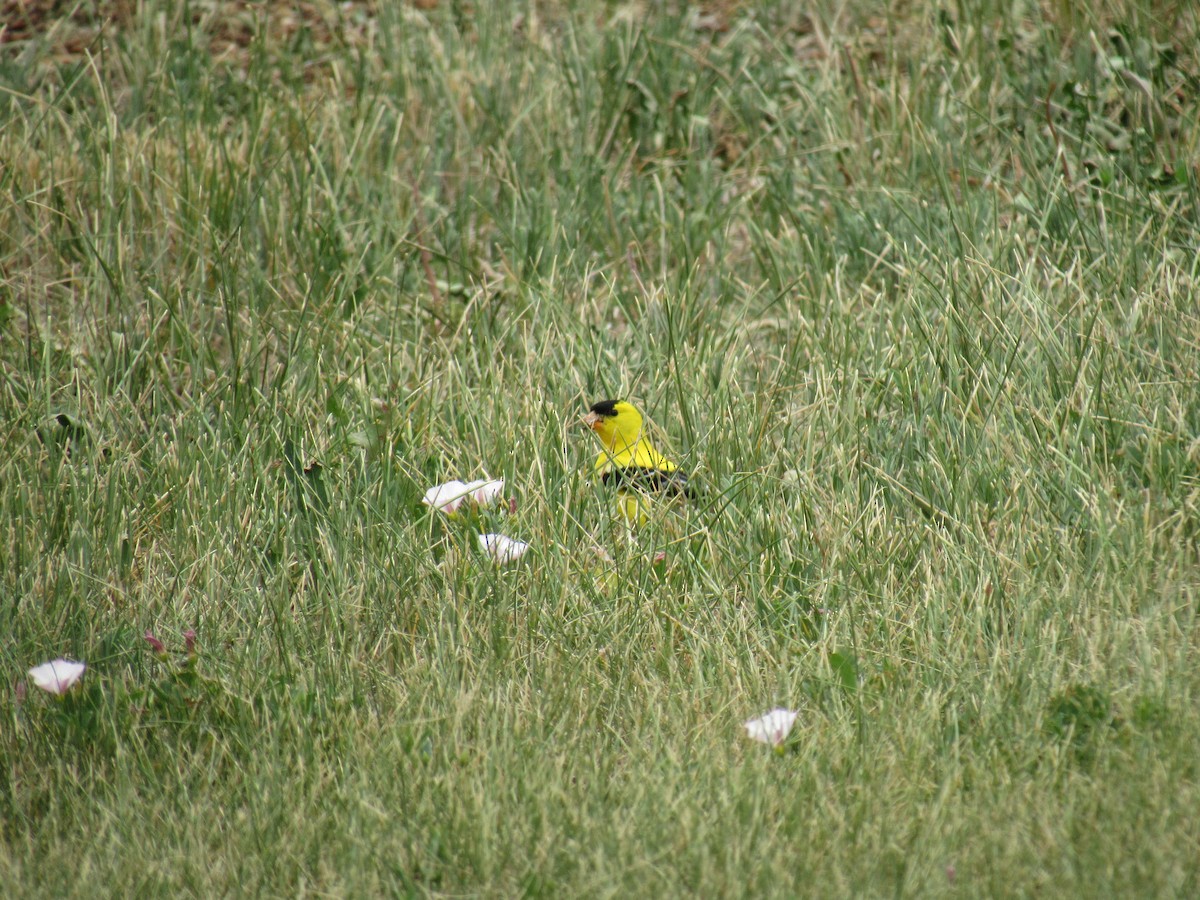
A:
{"x": 155, "y": 644}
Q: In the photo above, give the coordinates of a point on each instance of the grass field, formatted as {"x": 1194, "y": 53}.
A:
{"x": 911, "y": 289}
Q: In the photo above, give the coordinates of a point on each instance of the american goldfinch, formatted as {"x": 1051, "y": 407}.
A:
{"x": 629, "y": 460}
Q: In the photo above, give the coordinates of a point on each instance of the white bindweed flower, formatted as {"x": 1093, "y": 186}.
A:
{"x": 485, "y": 492}
{"x": 773, "y": 727}
{"x": 56, "y": 676}
{"x": 446, "y": 497}
{"x": 502, "y": 548}
{"x": 450, "y": 496}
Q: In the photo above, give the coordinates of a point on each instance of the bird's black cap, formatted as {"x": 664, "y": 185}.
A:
{"x": 605, "y": 408}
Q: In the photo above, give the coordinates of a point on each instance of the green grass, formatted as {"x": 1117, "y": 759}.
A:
{"x": 913, "y": 293}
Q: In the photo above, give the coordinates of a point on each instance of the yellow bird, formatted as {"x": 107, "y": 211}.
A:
{"x": 629, "y": 460}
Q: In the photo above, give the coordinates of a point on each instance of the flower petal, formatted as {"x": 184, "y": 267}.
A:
{"x": 57, "y": 675}
{"x": 450, "y": 496}
{"x": 486, "y": 492}
{"x": 447, "y": 497}
{"x": 772, "y": 727}
{"x": 502, "y": 548}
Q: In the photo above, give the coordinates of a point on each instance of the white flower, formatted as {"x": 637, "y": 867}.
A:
{"x": 485, "y": 492}
{"x": 773, "y": 727}
{"x": 446, "y": 497}
{"x": 56, "y": 676}
{"x": 450, "y": 496}
{"x": 502, "y": 548}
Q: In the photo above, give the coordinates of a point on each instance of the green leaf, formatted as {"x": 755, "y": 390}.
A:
{"x": 845, "y": 668}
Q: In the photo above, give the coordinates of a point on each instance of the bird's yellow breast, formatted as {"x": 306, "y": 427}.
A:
{"x": 639, "y": 455}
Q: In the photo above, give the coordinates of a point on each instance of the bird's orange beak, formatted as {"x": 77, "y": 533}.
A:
{"x": 591, "y": 420}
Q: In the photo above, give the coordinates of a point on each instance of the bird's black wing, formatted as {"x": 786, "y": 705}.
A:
{"x": 648, "y": 479}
